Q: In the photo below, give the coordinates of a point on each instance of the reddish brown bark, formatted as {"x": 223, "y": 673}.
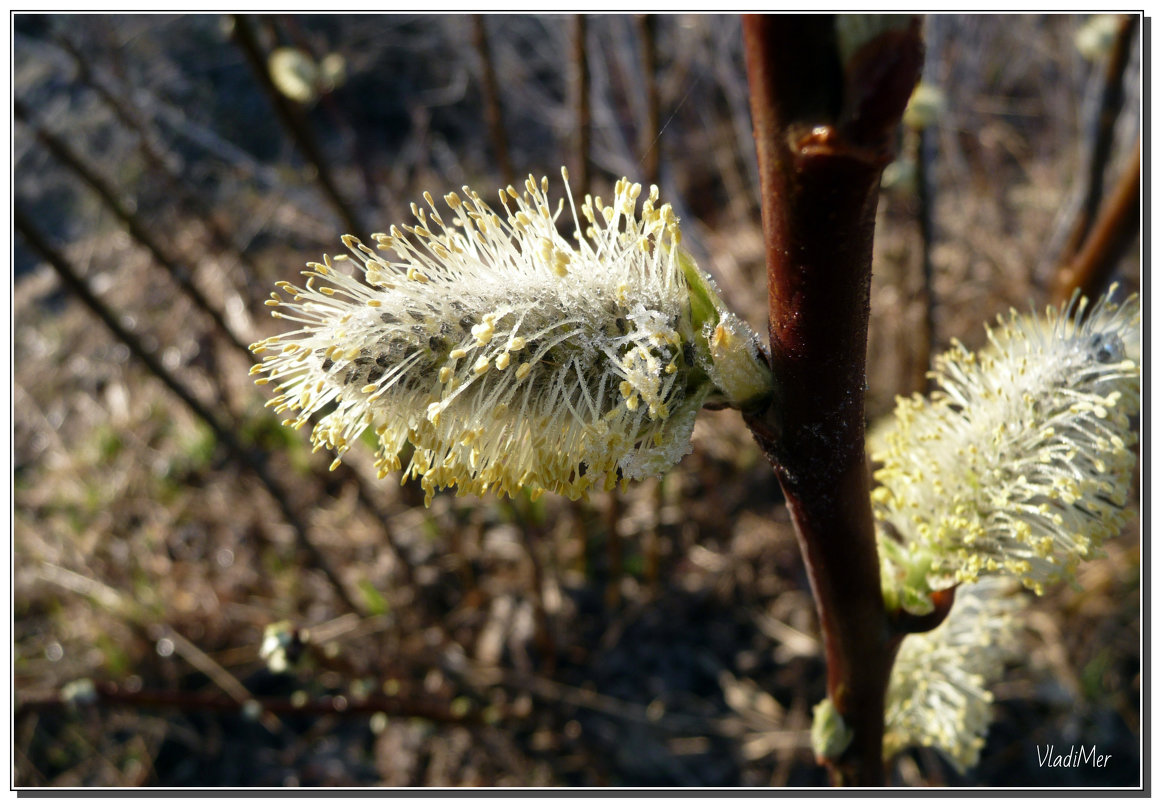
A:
{"x": 1107, "y": 242}
{"x": 824, "y": 133}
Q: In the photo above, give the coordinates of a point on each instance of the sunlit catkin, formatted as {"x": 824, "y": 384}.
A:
{"x": 509, "y": 355}
{"x": 1021, "y": 462}
{"x": 939, "y": 693}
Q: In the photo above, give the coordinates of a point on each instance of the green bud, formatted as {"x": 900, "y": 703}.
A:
{"x": 830, "y": 736}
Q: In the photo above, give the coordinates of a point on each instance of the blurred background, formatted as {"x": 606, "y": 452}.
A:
{"x": 198, "y": 600}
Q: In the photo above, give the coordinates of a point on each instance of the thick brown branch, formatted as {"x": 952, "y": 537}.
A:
{"x": 823, "y": 137}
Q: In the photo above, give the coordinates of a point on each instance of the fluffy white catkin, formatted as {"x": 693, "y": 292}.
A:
{"x": 1021, "y": 462}
{"x": 507, "y": 354}
{"x": 939, "y": 693}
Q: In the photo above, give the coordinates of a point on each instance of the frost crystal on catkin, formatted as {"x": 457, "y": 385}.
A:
{"x": 508, "y": 355}
{"x": 938, "y": 695}
{"x": 1020, "y": 464}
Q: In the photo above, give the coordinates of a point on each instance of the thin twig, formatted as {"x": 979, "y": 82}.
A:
{"x": 534, "y": 536}
{"x": 1113, "y": 232}
{"x": 491, "y": 92}
{"x": 73, "y": 161}
{"x": 482, "y": 677}
{"x": 577, "y": 510}
{"x": 140, "y": 232}
{"x": 296, "y": 124}
{"x": 109, "y": 694}
{"x": 943, "y": 601}
{"x": 651, "y": 541}
{"x": 925, "y": 201}
{"x": 134, "y": 613}
{"x": 361, "y": 153}
{"x": 650, "y": 144}
{"x": 174, "y": 183}
{"x": 224, "y": 434}
{"x": 613, "y": 549}
{"x": 1103, "y": 143}
{"x": 579, "y": 98}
